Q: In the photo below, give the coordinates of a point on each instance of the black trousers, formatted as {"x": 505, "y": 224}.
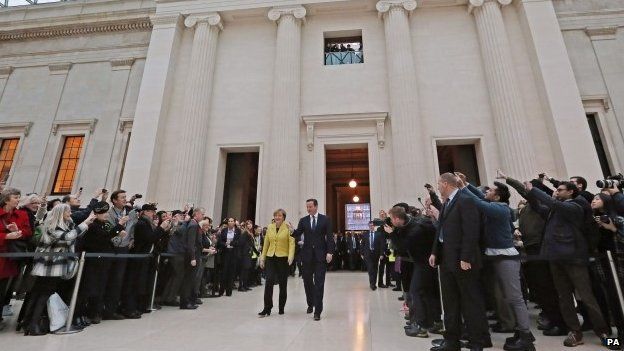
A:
{"x": 384, "y": 269}
{"x": 462, "y": 297}
{"x": 96, "y": 278}
{"x": 425, "y": 305}
{"x": 176, "y": 277}
{"x": 135, "y": 289}
{"x": 187, "y": 289}
{"x": 314, "y": 283}
{"x": 228, "y": 271}
{"x": 277, "y": 270}
{"x": 406, "y": 274}
{"x": 372, "y": 266}
{"x": 542, "y": 287}
{"x": 116, "y": 277}
{"x": 37, "y": 305}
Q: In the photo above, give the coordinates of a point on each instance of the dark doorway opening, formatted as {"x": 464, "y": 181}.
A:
{"x": 598, "y": 144}
{"x": 240, "y": 186}
{"x": 459, "y": 158}
{"x": 341, "y": 166}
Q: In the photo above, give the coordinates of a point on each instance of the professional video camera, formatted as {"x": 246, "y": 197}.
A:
{"x": 616, "y": 181}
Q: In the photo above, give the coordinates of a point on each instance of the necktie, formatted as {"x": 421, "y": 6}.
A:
{"x": 313, "y": 222}
{"x": 371, "y": 240}
{"x": 441, "y": 238}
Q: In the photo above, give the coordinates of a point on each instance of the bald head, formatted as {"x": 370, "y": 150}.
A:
{"x": 447, "y": 183}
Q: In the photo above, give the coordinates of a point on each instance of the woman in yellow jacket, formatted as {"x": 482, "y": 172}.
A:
{"x": 278, "y": 253}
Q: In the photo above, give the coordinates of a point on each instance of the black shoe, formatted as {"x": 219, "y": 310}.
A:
{"x": 198, "y": 302}
{"x": 417, "y": 331}
{"x": 373, "y": 288}
{"x": 281, "y": 311}
{"x": 401, "y": 298}
{"x": 317, "y": 317}
{"x": 438, "y": 328}
{"x": 469, "y": 345}
{"x": 522, "y": 341}
{"x": 310, "y": 310}
{"x": 498, "y": 328}
{"x": 382, "y": 286}
{"x": 113, "y": 317}
{"x": 171, "y": 303}
{"x": 132, "y": 315}
{"x": 96, "y": 319}
{"x": 247, "y": 289}
{"x": 556, "y": 331}
{"x": 396, "y": 289}
{"x": 34, "y": 330}
{"x": 264, "y": 313}
{"x": 241, "y": 289}
{"x": 443, "y": 345}
{"x": 189, "y": 307}
{"x": 390, "y": 285}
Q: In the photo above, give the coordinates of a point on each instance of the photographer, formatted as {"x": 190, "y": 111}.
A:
{"x": 79, "y": 214}
{"x": 614, "y": 186}
{"x": 611, "y": 229}
{"x": 414, "y": 236}
{"x": 563, "y": 236}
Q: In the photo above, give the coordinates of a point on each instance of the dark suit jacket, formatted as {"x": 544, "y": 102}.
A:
{"x": 193, "y": 240}
{"x": 222, "y": 242}
{"x": 317, "y": 243}
{"x": 378, "y": 244}
{"x": 461, "y": 225}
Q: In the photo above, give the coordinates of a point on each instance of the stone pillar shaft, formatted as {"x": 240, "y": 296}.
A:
{"x": 189, "y": 164}
{"x": 406, "y": 124}
{"x": 514, "y": 139}
{"x": 283, "y": 143}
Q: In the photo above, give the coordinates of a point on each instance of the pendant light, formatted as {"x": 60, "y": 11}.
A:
{"x": 356, "y": 198}
{"x": 352, "y": 182}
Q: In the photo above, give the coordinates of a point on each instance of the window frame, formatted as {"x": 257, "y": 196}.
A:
{"x": 599, "y": 107}
{"x": 15, "y": 130}
{"x": 58, "y": 164}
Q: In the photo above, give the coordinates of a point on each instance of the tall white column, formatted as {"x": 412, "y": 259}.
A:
{"x": 141, "y": 168}
{"x": 283, "y": 144}
{"x": 408, "y": 143}
{"x": 571, "y": 140}
{"x": 514, "y": 139}
{"x": 195, "y": 114}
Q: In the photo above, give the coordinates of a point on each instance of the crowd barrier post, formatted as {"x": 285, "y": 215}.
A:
{"x": 616, "y": 280}
{"x": 441, "y": 300}
{"x": 155, "y": 282}
{"x": 72, "y": 304}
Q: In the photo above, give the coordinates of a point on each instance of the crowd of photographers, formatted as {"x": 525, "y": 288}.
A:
{"x": 488, "y": 259}
{"x": 195, "y": 260}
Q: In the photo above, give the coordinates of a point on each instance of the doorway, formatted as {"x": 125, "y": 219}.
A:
{"x": 343, "y": 166}
{"x": 240, "y": 186}
{"x": 459, "y": 158}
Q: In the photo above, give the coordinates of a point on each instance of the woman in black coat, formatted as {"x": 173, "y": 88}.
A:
{"x": 246, "y": 248}
{"x": 229, "y": 241}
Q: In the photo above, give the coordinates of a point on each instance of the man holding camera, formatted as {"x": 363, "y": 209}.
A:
{"x": 564, "y": 241}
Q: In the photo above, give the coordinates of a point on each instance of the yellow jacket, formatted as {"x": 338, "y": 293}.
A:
{"x": 278, "y": 244}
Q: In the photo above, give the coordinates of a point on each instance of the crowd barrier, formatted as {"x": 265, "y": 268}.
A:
{"x": 68, "y": 330}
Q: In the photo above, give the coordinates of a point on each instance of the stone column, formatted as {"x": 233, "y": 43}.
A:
{"x": 283, "y": 143}
{"x": 142, "y": 162}
{"x": 196, "y": 109}
{"x": 408, "y": 143}
{"x": 514, "y": 139}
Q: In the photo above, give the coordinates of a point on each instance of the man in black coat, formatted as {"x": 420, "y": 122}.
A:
{"x": 192, "y": 255}
{"x": 456, "y": 250}
{"x": 318, "y": 248}
{"x": 371, "y": 250}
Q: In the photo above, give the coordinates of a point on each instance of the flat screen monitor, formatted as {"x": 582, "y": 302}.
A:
{"x": 357, "y": 216}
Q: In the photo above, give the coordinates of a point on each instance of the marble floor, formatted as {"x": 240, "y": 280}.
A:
{"x": 355, "y": 318}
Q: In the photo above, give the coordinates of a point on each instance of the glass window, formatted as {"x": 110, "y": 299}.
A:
{"x": 8, "y": 147}
{"x": 344, "y": 50}
{"x": 68, "y": 165}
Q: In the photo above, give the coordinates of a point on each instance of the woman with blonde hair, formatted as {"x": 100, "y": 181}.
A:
{"x": 278, "y": 254}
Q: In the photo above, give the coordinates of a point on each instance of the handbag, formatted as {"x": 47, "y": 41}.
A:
{"x": 16, "y": 245}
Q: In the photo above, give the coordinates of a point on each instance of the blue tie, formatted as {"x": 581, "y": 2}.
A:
{"x": 371, "y": 240}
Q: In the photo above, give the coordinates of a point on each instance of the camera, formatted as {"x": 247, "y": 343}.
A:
{"x": 541, "y": 175}
{"x": 616, "y": 181}
{"x": 603, "y": 218}
{"x": 138, "y": 196}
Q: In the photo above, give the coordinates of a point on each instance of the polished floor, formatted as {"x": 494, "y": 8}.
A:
{"x": 355, "y": 318}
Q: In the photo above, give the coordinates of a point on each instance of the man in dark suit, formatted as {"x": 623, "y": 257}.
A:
{"x": 192, "y": 254}
{"x": 314, "y": 232}
{"x": 371, "y": 250}
{"x": 456, "y": 250}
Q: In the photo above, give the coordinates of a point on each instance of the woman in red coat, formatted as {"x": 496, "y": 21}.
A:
{"x": 14, "y": 224}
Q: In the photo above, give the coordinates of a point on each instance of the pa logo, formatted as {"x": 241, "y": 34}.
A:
{"x": 612, "y": 342}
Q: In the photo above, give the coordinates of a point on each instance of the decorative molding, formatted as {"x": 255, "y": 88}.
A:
{"x": 122, "y": 64}
{"x": 5, "y": 71}
{"x": 165, "y": 20}
{"x": 66, "y": 30}
{"x": 16, "y": 128}
{"x": 472, "y": 4}
{"x": 384, "y": 6}
{"x": 601, "y": 33}
{"x": 60, "y": 68}
{"x": 212, "y": 18}
{"x": 299, "y": 12}
{"x": 596, "y": 100}
{"x": 378, "y": 118}
{"x": 125, "y": 124}
{"x": 82, "y": 124}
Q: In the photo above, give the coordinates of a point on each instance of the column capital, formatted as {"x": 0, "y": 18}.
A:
{"x": 473, "y": 4}
{"x": 276, "y": 13}
{"x": 384, "y": 6}
{"x": 212, "y": 18}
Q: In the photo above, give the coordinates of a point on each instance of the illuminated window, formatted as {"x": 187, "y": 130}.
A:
{"x": 68, "y": 165}
{"x": 8, "y": 147}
